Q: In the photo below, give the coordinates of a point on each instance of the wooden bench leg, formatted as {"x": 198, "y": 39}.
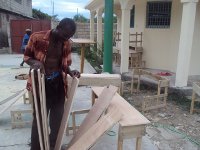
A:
{"x": 138, "y": 143}
{"x": 120, "y": 139}
{"x": 192, "y": 102}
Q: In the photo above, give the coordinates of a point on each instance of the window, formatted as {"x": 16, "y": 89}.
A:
{"x": 18, "y": 1}
{"x": 132, "y": 15}
{"x": 158, "y": 14}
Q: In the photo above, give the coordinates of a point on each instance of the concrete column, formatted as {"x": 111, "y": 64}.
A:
{"x": 186, "y": 41}
{"x": 119, "y": 14}
{"x": 125, "y": 28}
{"x": 92, "y": 15}
{"x": 126, "y": 6}
{"x": 99, "y": 28}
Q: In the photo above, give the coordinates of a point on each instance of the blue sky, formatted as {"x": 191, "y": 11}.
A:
{"x": 63, "y": 8}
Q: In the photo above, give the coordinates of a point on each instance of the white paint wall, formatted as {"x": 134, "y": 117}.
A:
{"x": 161, "y": 45}
{"x": 195, "y": 57}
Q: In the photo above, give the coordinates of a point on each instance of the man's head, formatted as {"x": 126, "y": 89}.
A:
{"x": 66, "y": 28}
{"x": 28, "y": 31}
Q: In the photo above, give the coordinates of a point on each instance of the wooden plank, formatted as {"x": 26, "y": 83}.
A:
{"x": 66, "y": 114}
{"x": 95, "y": 112}
{"x": 100, "y": 79}
{"x": 37, "y": 110}
{"x": 131, "y": 116}
{"x": 164, "y": 83}
{"x": 42, "y": 106}
{"x": 88, "y": 139}
{"x": 13, "y": 99}
{"x": 44, "y": 109}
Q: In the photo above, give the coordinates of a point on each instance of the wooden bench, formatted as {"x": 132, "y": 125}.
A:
{"x": 150, "y": 102}
{"x": 195, "y": 97}
{"x": 131, "y": 125}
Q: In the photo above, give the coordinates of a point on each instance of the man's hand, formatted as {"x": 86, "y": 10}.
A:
{"x": 37, "y": 65}
{"x": 74, "y": 73}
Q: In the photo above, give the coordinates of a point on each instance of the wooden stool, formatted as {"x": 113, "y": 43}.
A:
{"x": 17, "y": 119}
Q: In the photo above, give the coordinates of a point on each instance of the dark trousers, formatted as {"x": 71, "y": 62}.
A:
{"x": 55, "y": 98}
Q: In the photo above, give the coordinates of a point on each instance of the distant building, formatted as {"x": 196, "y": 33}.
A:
{"x": 12, "y": 9}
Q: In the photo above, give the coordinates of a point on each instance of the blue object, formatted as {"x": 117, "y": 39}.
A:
{"x": 53, "y": 75}
{"x": 24, "y": 42}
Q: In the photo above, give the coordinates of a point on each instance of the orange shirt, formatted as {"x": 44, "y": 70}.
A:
{"x": 37, "y": 49}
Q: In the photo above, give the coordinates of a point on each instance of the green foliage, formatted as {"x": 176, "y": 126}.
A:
{"x": 43, "y": 16}
{"x": 80, "y": 18}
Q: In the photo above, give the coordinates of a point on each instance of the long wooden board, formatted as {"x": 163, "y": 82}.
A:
{"x": 66, "y": 114}
{"x": 95, "y": 112}
{"x": 89, "y": 138}
{"x": 37, "y": 111}
{"x": 13, "y": 99}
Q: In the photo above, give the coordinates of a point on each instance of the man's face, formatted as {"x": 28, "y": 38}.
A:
{"x": 64, "y": 34}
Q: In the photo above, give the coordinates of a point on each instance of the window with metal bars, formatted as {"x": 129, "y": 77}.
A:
{"x": 132, "y": 15}
{"x": 158, "y": 14}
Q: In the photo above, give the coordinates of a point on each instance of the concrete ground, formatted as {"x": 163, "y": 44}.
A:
{"x": 19, "y": 138}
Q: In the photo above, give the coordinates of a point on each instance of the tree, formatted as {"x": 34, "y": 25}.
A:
{"x": 80, "y": 18}
{"x": 40, "y": 15}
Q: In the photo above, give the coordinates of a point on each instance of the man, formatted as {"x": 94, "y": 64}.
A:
{"x": 50, "y": 51}
{"x": 25, "y": 42}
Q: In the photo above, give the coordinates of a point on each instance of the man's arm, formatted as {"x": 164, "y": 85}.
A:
{"x": 29, "y": 56}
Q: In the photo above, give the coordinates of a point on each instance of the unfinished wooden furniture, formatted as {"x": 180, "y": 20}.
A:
{"x": 195, "y": 97}
{"x": 93, "y": 80}
{"x": 83, "y": 43}
{"x": 160, "y": 99}
{"x": 131, "y": 125}
{"x": 135, "y": 50}
{"x": 95, "y": 112}
{"x": 66, "y": 114}
{"x": 17, "y": 119}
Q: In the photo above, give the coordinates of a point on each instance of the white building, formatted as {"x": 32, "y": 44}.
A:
{"x": 171, "y": 33}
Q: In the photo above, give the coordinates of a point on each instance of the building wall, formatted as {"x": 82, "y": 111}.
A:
{"x": 161, "y": 46}
{"x": 195, "y": 57}
{"x": 5, "y": 38}
{"x": 23, "y": 7}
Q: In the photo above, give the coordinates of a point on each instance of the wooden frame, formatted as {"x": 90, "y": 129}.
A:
{"x": 160, "y": 99}
{"x": 196, "y": 91}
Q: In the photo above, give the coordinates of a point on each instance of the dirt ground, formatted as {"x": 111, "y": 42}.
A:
{"x": 175, "y": 119}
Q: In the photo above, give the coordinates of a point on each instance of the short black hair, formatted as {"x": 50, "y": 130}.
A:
{"x": 69, "y": 23}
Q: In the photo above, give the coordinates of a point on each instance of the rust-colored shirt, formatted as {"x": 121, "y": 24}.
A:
{"x": 37, "y": 49}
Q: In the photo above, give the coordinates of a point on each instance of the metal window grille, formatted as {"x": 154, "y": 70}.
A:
{"x": 158, "y": 14}
{"x": 132, "y": 19}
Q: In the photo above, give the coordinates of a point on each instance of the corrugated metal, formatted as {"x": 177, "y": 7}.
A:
{"x": 18, "y": 28}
